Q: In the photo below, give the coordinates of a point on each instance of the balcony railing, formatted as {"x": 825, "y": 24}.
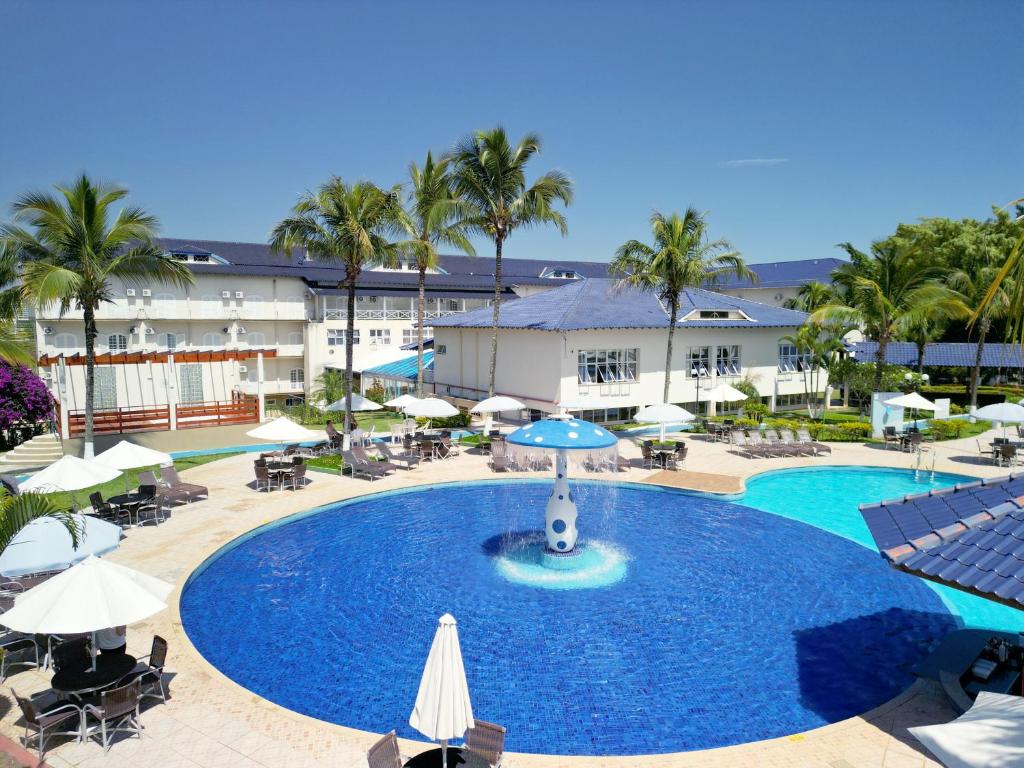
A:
{"x": 387, "y": 314}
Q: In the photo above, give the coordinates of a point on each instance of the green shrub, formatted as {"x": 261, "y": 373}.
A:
{"x": 756, "y": 411}
{"x": 328, "y": 461}
{"x": 461, "y": 420}
{"x": 947, "y": 430}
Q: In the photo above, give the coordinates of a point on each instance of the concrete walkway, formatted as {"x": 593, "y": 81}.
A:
{"x": 211, "y": 721}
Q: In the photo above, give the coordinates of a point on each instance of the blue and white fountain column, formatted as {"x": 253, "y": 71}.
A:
{"x": 562, "y": 436}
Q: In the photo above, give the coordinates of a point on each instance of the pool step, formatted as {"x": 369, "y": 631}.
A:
{"x": 40, "y": 451}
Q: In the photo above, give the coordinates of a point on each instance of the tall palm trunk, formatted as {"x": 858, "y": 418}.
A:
{"x": 921, "y": 345}
{"x": 983, "y": 328}
{"x": 883, "y": 343}
{"x": 673, "y": 313}
{"x": 89, "y": 316}
{"x": 419, "y": 331}
{"x": 350, "y": 329}
{"x": 497, "y": 309}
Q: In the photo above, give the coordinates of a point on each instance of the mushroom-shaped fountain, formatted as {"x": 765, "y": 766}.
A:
{"x": 564, "y": 437}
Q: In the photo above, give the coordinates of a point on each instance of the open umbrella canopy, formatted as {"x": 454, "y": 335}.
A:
{"x": 283, "y": 430}
{"x": 563, "y": 434}
{"x": 45, "y": 545}
{"x": 69, "y": 473}
{"x": 443, "y": 710}
{"x": 913, "y": 400}
{"x": 359, "y": 403}
{"x": 664, "y": 413}
{"x": 1005, "y": 412}
{"x": 724, "y": 393}
{"x": 128, "y": 455}
{"x": 93, "y": 595}
{"x": 497, "y": 404}
{"x": 401, "y": 401}
{"x": 991, "y": 733}
{"x": 431, "y": 408}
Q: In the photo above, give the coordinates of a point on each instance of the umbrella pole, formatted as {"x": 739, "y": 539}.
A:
{"x": 661, "y": 437}
{"x": 94, "y": 650}
{"x": 444, "y": 753}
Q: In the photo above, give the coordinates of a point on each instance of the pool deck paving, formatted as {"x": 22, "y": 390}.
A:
{"x": 212, "y": 722}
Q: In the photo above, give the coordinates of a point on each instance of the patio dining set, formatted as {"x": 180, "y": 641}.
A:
{"x": 157, "y": 492}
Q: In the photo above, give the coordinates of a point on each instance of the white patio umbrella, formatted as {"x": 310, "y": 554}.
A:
{"x": 45, "y": 545}
{"x": 724, "y": 393}
{"x": 69, "y": 473}
{"x": 1007, "y": 413}
{"x": 991, "y": 733}
{"x": 912, "y": 400}
{"x": 493, "y": 405}
{"x": 443, "y": 710}
{"x": 401, "y": 401}
{"x": 431, "y": 408}
{"x": 665, "y": 413}
{"x": 283, "y": 430}
{"x": 128, "y": 455}
{"x": 359, "y": 403}
{"x": 93, "y": 595}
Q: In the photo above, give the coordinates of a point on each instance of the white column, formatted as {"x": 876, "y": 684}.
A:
{"x": 560, "y": 522}
{"x": 171, "y": 391}
{"x": 59, "y": 373}
{"x": 262, "y": 412}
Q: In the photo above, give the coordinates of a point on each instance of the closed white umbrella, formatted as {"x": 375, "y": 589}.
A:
{"x": 990, "y": 733}
{"x": 664, "y": 413}
{"x": 69, "y": 473}
{"x": 724, "y": 393}
{"x": 359, "y": 403}
{"x": 432, "y": 408}
{"x": 283, "y": 430}
{"x": 45, "y": 545}
{"x": 128, "y": 455}
{"x": 443, "y": 711}
{"x": 93, "y": 595}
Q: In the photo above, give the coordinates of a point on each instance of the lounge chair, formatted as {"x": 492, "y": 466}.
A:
{"x": 803, "y": 436}
{"x": 499, "y": 461}
{"x": 360, "y": 454}
{"x": 118, "y": 712}
{"x": 384, "y": 753}
{"x": 408, "y": 458}
{"x": 758, "y": 445}
{"x": 43, "y": 714}
{"x": 452, "y": 448}
{"x": 160, "y": 489}
{"x": 369, "y": 469}
{"x": 740, "y": 445}
{"x": 486, "y": 740}
{"x": 170, "y": 476}
{"x": 780, "y": 448}
{"x": 800, "y": 448}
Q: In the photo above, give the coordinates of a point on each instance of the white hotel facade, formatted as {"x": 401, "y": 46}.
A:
{"x": 261, "y": 327}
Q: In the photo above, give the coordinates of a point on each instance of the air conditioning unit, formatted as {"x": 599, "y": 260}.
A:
{"x": 146, "y": 293}
{"x": 239, "y": 294}
{"x": 225, "y": 294}
{"x": 48, "y": 331}
{"x": 241, "y": 329}
{"x": 133, "y": 329}
{"x": 243, "y": 369}
{"x": 130, "y": 292}
{"x": 226, "y": 330}
{"x": 150, "y": 331}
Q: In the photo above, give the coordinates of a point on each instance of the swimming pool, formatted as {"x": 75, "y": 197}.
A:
{"x": 729, "y": 624}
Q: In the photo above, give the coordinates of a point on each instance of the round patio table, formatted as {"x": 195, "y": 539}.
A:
{"x": 456, "y": 757}
{"x": 131, "y": 502}
{"x": 110, "y": 667}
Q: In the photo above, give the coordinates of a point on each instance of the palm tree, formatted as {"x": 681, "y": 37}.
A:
{"x": 818, "y": 345}
{"x": 16, "y": 342}
{"x": 886, "y": 292}
{"x": 75, "y": 251}
{"x": 18, "y": 511}
{"x": 922, "y": 332}
{"x": 991, "y": 301}
{"x": 681, "y": 257}
{"x": 490, "y": 179}
{"x": 1012, "y": 274}
{"x": 350, "y": 225}
{"x": 431, "y": 219}
{"x": 329, "y": 386}
{"x": 810, "y": 297}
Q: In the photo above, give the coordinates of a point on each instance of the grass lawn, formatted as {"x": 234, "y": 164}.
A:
{"x": 382, "y": 421}
{"x": 116, "y": 486}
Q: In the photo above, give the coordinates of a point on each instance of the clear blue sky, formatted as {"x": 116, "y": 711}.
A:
{"x": 796, "y": 125}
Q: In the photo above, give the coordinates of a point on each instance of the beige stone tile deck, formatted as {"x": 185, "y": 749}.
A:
{"x": 214, "y": 723}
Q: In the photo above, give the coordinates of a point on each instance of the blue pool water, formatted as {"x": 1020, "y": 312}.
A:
{"x": 729, "y": 624}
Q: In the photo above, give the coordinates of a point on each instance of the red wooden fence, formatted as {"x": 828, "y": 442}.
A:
{"x": 154, "y": 418}
{"x": 193, "y": 415}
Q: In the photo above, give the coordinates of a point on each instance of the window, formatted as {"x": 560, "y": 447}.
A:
{"x": 453, "y": 305}
{"x": 440, "y": 349}
{"x": 698, "y": 361}
{"x": 105, "y": 397}
{"x": 297, "y": 376}
{"x": 65, "y": 341}
{"x": 336, "y": 337}
{"x": 295, "y": 337}
{"x": 213, "y": 339}
{"x": 190, "y": 383}
{"x": 293, "y": 402}
{"x": 598, "y": 366}
{"x": 257, "y": 339}
{"x": 380, "y": 335}
{"x": 409, "y": 335}
{"x": 727, "y": 360}
{"x": 171, "y": 341}
{"x": 791, "y": 359}
{"x": 117, "y": 342}
{"x": 714, "y": 314}
{"x": 201, "y": 258}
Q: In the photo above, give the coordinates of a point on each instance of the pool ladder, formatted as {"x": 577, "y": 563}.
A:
{"x": 919, "y": 461}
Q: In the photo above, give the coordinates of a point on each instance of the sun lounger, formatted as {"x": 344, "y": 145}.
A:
{"x": 776, "y": 445}
{"x": 408, "y": 459}
{"x": 369, "y": 469}
{"x": 804, "y": 437}
{"x": 361, "y": 455}
{"x": 801, "y": 449}
{"x": 759, "y": 445}
{"x": 170, "y": 476}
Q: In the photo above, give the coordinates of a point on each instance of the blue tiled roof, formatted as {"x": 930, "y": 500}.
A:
{"x": 941, "y": 354}
{"x": 602, "y": 303}
{"x": 970, "y": 537}
{"x": 787, "y": 274}
{"x": 404, "y": 368}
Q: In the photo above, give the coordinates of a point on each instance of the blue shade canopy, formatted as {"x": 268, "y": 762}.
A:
{"x": 565, "y": 434}
{"x": 45, "y": 545}
{"x": 970, "y": 537}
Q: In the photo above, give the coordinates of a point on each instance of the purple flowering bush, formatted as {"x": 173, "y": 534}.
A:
{"x": 24, "y": 398}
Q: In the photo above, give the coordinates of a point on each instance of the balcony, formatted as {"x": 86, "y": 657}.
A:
{"x": 387, "y": 314}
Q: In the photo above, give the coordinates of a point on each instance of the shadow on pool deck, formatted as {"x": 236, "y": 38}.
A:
{"x": 837, "y": 680}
